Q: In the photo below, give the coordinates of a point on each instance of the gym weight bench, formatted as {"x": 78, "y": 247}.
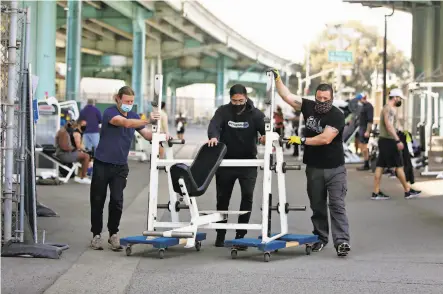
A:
{"x": 188, "y": 182}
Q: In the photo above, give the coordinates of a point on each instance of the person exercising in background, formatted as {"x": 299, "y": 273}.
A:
{"x": 366, "y": 119}
{"x": 324, "y": 159}
{"x": 236, "y": 124}
{"x": 69, "y": 148}
{"x": 390, "y": 147}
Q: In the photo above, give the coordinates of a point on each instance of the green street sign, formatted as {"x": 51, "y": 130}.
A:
{"x": 340, "y": 56}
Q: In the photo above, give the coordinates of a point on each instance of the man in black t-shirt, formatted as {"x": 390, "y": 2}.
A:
{"x": 324, "y": 159}
{"x": 366, "y": 118}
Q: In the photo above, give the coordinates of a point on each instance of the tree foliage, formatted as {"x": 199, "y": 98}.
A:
{"x": 366, "y": 46}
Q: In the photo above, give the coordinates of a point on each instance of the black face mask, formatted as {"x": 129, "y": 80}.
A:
{"x": 83, "y": 128}
{"x": 398, "y": 103}
{"x": 237, "y": 108}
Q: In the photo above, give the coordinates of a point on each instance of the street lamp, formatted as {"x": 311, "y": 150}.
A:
{"x": 385, "y": 54}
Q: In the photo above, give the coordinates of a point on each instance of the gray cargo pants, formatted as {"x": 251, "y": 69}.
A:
{"x": 322, "y": 182}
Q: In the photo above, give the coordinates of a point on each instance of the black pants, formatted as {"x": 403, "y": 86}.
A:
{"x": 225, "y": 180}
{"x": 115, "y": 176}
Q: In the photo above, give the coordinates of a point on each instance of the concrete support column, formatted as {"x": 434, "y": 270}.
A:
{"x": 138, "y": 63}
{"x": 418, "y": 39}
{"x": 429, "y": 42}
{"x": 73, "y": 49}
{"x": 43, "y": 62}
{"x": 220, "y": 85}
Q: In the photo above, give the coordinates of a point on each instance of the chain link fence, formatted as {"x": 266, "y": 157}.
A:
{"x": 12, "y": 46}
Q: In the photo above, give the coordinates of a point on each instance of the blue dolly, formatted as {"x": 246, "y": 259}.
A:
{"x": 285, "y": 241}
{"x": 161, "y": 243}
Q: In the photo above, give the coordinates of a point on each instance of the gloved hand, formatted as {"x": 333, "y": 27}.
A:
{"x": 294, "y": 140}
{"x": 277, "y": 76}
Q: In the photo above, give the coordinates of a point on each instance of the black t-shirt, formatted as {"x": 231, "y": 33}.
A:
{"x": 366, "y": 115}
{"x": 324, "y": 156}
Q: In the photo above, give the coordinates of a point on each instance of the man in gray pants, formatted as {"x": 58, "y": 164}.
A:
{"x": 324, "y": 159}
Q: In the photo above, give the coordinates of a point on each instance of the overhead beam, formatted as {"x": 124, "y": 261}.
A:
{"x": 112, "y": 28}
{"x": 97, "y": 29}
{"x": 128, "y": 8}
{"x": 150, "y": 5}
{"x": 187, "y": 51}
{"x": 167, "y": 31}
{"x": 179, "y": 24}
{"x": 89, "y": 35}
{"x": 225, "y": 51}
{"x": 95, "y": 4}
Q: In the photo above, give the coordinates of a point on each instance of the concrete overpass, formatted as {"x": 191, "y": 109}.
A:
{"x": 134, "y": 40}
{"x": 427, "y": 35}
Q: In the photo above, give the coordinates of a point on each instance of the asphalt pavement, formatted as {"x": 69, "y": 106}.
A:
{"x": 397, "y": 245}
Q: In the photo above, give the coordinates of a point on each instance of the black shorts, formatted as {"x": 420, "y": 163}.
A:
{"x": 361, "y": 136}
{"x": 389, "y": 155}
{"x": 181, "y": 131}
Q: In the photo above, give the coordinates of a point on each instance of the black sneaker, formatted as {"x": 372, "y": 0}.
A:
{"x": 317, "y": 247}
{"x": 379, "y": 196}
{"x": 240, "y": 247}
{"x": 412, "y": 194}
{"x": 343, "y": 249}
{"x": 220, "y": 241}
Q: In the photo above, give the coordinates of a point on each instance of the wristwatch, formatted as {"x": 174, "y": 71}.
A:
{"x": 398, "y": 141}
{"x": 303, "y": 140}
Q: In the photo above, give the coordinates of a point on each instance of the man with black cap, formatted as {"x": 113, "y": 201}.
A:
{"x": 324, "y": 158}
{"x": 236, "y": 124}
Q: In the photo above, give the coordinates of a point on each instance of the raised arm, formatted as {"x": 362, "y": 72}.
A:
{"x": 284, "y": 92}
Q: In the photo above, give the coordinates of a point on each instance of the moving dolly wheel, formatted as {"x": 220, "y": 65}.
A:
{"x": 161, "y": 253}
{"x": 233, "y": 253}
{"x": 128, "y": 250}
{"x": 267, "y": 256}
{"x": 198, "y": 245}
{"x": 308, "y": 249}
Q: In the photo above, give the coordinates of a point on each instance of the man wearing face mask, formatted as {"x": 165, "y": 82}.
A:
{"x": 324, "y": 159}
{"x": 390, "y": 148}
{"x": 236, "y": 124}
{"x": 111, "y": 164}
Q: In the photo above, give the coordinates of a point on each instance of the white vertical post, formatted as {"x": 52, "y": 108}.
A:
{"x": 281, "y": 189}
{"x": 153, "y": 189}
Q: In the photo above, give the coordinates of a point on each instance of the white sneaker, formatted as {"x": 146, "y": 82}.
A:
{"x": 114, "y": 243}
{"x": 82, "y": 181}
{"x": 96, "y": 243}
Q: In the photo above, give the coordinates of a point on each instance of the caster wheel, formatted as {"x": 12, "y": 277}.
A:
{"x": 128, "y": 250}
{"x": 161, "y": 253}
{"x": 308, "y": 250}
{"x": 234, "y": 254}
{"x": 267, "y": 257}
{"x": 198, "y": 245}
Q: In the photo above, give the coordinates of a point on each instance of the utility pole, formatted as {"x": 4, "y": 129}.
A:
{"x": 385, "y": 55}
